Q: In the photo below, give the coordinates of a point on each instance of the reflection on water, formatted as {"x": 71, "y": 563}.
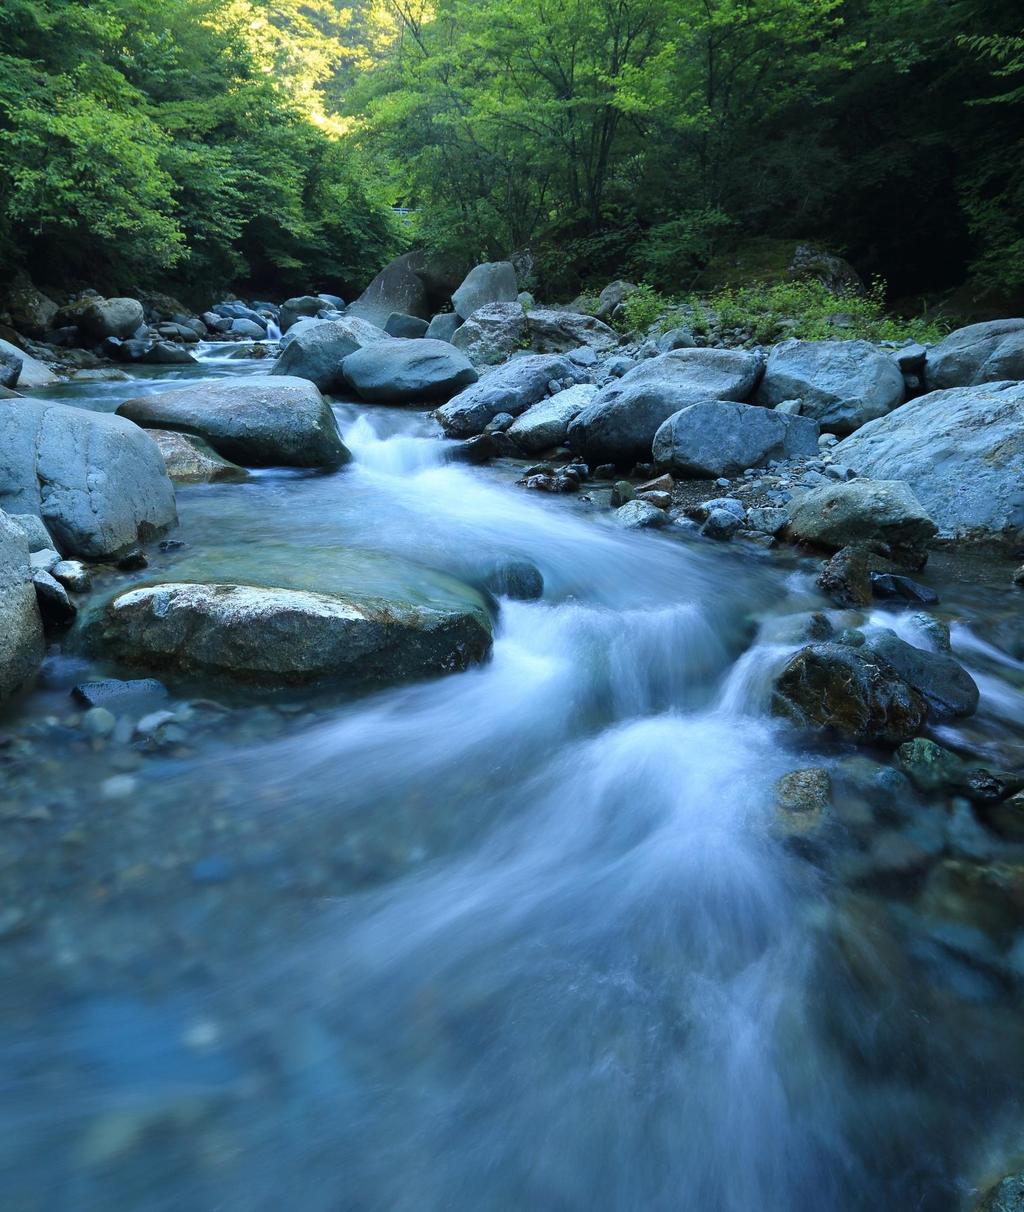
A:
{"x": 525, "y": 937}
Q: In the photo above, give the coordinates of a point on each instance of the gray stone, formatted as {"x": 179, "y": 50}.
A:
{"x": 719, "y": 437}
{"x": 297, "y": 308}
{"x": 546, "y": 423}
{"x": 21, "y": 628}
{"x": 101, "y": 318}
{"x": 97, "y": 481}
{"x": 400, "y": 286}
{"x": 511, "y": 388}
{"x": 641, "y": 515}
{"x": 619, "y": 366}
{"x": 516, "y": 579}
{"x": 562, "y": 331}
{"x": 248, "y": 328}
{"x": 163, "y": 353}
{"x": 34, "y": 530}
{"x": 32, "y": 372}
{"x": 947, "y": 688}
{"x": 492, "y": 334}
{"x": 613, "y": 295}
{"x": 962, "y": 453}
{"x": 851, "y": 692}
{"x": 73, "y": 575}
{"x": 443, "y": 326}
{"x": 55, "y": 607}
{"x": 721, "y": 524}
{"x": 1006, "y": 1196}
{"x": 31, "y": 311}
{"x": 676, "y": 338}
{"x": 257, "y": 421}
{"x": 841, "y": 384}
{"x": 319, "y": 347}
{"x": 980, "y": 353}
{"x": 191, "y": 460}
{"x": 120, "y": 693}
{"x": 44, "y": 559}
{"x": 872, "y": 512}
{"x": 492, "y": 282}
{"x": 770, "y": 519}
{"x": 408, "y": 371}
{"x": 399, "y": 325}
{"x": 10, "y": 370}
{"x": 276, "y": 635}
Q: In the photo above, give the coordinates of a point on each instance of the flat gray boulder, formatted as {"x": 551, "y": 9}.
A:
{"x": 318, "y": 624}
{"x": 870, "y": 512}
{"x": 319, "y": 347}
{"x": 190, "y": 460}
{"x": 560, "y": 331}
{"x": 721, "y": 438}
{"x": 399, "y": 325}
{"x": 492, "y": 282}
{"x": 980, "y": 353}
{"x": 715, "y": 374}
{"x": 511, "y": 388}
{"x": 21, "y": 628}
{"x": 408, "y": 370}
{"x": 840, "y": 384}
{"x": 257, "y": 421}
{"x": 546, "y": 423}
{"x": 946, "y": 687}
{"x": 97, "y": 481}
{"x": 962, "y": 453}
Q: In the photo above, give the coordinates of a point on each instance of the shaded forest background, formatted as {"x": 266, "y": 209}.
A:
{"x": 264, "y": 144}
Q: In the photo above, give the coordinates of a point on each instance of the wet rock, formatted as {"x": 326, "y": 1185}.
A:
{"x": 840, "y": 384}
{"x": 1006, "y": 1196}
{"x": 850, "y": 692}
{"x": 277, "y": 636}
{"x": 721, "y": 524}
{"x": 929, "y": 766}
{"x": 108, "y": 691}
{"x": 622, "y": 492}
{"x": 248, "y": 328}
{"x": 641, "y": 515}
{"x": 989, "y": 896}
{"x": 802, "y": 799}
{"x": 21, "y": 629}
{"x": 55, "y": 607}
{"x": 989, "y": 352}
{"x": 948, "y": 689}
{"x": 550, "y": 481}
{"x": 133, "y": 561}
{"x": 99, "y": 722}
{"x": 511, "y": 388}
{"x": 190, "y": 460}
{"x": 516, "y": 579}
{"x": 257, "y": 421}
{"x": 716, "y": 438}
{"x": 846, "y": 577}
{"x": 73, "y": 575}
{"x": 97, "y": 481}
{"x": 316, "y": 352}
{"x": 546, "y": 423}
{"x": 888, "y": 585}
{"x": 878, "y": 513}
{"x": 491, "y": 282}
{"x": 408, "y": 371}
{"x": 962, "y": 454}
{"x": 1006, "y": 817}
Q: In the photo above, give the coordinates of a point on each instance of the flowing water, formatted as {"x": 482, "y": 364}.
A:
{"x": 521, "y": 937}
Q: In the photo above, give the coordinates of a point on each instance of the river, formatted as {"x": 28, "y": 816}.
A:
{"x": 522, "y": 937}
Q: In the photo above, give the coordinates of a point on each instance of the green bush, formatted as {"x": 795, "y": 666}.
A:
{"x": 642, "y": 308}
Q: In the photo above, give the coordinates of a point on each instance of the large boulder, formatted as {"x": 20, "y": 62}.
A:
{"x": 492, "y": 282}
{"x": 980, "y": 353}
{"x": 257, "y": 421}
{"x": 319, "y": 347}
{"x": 546, "y": 423}
{"x": 721, "y": 438}
{"x": 398, "y": 287}
{"x": 101, "y": 318}
{"x": 21, "y": 628}
{"x": 946, "y": 687}
{"x": 612, "y": 297}
{"x": 297, "y": 308}
{"x": 962, "y": 453}
{"x": 408, "y": 370}
{"x": 620, "y": 422}
{"x": 511, "y": 388}
{"x": 443, "y": 326}
{"x": 287, "y": 622}
{"x": 840, "y": 384}
{"x": 560, "y": 331}
{"x": 30, "y": 310}
{"x": 492, "y": 333}
{"x": 97, "y": 481}
{"x": 32, "y": 373}
{"x": 852, "y": 693}
{"x": 877, "y": 513}
{"x": 399, "y": 325}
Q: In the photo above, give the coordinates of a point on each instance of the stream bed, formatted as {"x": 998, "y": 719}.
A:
{"x": 526, "y": 936}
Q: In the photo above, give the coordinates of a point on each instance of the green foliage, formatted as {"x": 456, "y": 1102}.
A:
{"x": 809, "y": 310}
{"x": 671, "y": 254}
{"x": 642, "y": 308}
{"x": 187, "y": 140}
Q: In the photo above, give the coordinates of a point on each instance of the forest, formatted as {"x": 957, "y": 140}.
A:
{"x": 273, "y": 144}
